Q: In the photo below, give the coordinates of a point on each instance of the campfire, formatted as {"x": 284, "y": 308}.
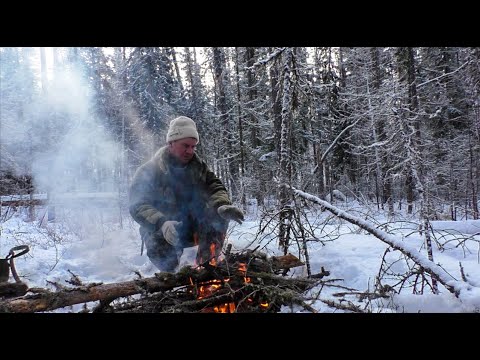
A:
{"x": 211, "y": 288}
{"x": 247, "y": 281}
{"x": 246, "y": 294}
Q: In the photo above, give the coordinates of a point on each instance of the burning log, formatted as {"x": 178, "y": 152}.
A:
{"x": 244, "y": 282}
{"x": 223, "y": 289}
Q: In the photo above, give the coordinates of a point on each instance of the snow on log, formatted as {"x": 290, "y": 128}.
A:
{"x": 459, "y": 289}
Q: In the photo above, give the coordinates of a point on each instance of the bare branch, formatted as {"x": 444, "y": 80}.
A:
{"x": 454, "y": 286}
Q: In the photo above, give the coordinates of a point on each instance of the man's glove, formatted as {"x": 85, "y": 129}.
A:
{"x": 230, "y": 212}
{"x": 170, "y": 233}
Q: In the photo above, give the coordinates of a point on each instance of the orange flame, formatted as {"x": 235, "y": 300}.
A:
{"x": 208, "y": 288}
{"x": 243, "y": 268}
{"x": 213, "y": 260}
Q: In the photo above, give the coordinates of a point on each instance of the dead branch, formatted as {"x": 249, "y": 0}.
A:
{"x": 349, "y": 307}
{"x": 53, "y": 300}
{"x": 434, "y": 270}
{"x": 163, "y": 282}
{"x": 9, "y": 290}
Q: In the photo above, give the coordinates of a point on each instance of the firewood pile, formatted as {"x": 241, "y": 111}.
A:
{"x": 247, "y": 281}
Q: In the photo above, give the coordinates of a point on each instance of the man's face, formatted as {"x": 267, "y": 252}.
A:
{"x": 183, "y": 149}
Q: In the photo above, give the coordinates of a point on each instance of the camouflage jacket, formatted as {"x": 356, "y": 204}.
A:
{"x": 159, "y": 191}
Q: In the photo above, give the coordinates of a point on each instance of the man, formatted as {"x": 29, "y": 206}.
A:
{"x": 179, "y": 202}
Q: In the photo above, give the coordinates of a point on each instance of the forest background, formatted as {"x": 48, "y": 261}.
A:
{"x": 395, "y": 129}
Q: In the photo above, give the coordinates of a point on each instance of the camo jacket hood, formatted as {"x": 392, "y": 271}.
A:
{"x": 160, "y": 191}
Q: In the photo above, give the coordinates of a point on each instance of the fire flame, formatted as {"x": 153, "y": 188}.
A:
{"x": 213, "y": 260}
{"x": 209, "y": 288}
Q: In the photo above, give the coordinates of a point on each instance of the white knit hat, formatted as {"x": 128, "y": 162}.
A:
{"x": 182, "y": 127}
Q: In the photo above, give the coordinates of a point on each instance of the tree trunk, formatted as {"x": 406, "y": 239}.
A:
{"x": 285, "y": 157}
{"x": 240, "y": 133}
{"x": 473, "y": 173}
{"x": 223, "y": 106}
{"x": 276, "y": 103}
{"x": 177, "y": 70}
{"x": 46, "y": 301}
{"x": 415, "y": 175}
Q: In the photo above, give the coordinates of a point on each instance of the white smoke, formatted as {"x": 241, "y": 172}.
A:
{"x": 75, "y": 151}
{"x": 58, "y": 138}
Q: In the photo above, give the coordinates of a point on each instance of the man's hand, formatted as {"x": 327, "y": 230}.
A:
{"x": 230, "y": 212}
{"x": 170, "y": 233}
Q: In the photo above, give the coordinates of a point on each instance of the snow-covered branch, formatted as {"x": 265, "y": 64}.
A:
{"x": 267, "y": 59}
{"x": 458, "y": 288}
{"x": 334, "y": 142}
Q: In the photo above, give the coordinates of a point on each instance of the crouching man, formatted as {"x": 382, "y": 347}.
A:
{"x": 179, "y": 202}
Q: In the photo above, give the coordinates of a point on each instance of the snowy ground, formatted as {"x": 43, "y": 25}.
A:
{"x": 100, "y": 245}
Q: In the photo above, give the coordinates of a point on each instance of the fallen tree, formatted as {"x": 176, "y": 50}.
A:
{"x": 458, "y": 288}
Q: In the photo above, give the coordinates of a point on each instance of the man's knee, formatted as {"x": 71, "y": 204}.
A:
{"x": 164, "y": 263}
{"x": 163, "y": 255}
